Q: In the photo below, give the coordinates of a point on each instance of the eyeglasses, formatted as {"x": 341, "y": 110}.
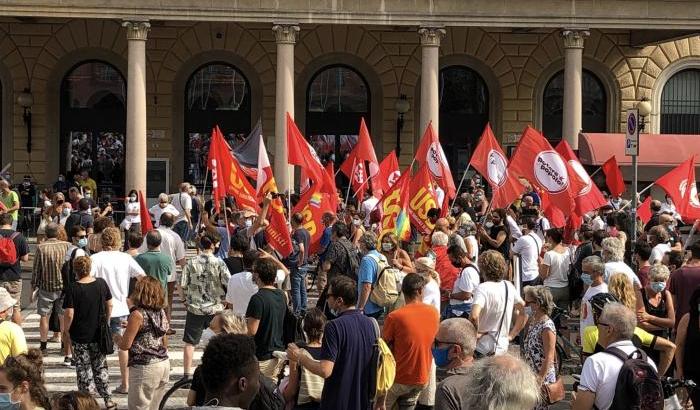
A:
{"x": 80, "y": 236}
{"x": 603, "y": 324}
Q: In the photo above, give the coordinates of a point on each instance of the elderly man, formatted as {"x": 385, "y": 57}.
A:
{"x": 613, "y": 255}
{"x": 368, "y": 274}
{"x": 592, "y": 276}
{"x": 599, "y": 375}
{"x": 162, "y": 207}
{"x": 182, "y": 201}
{"x": 10, "y": 202}
{"x": 454, "y": 351}
{"x": 448, "y": 272}
{"x": 501, "y": 382}
{"x": 443, "y": 225}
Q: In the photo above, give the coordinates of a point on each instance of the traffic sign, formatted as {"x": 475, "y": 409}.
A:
{"x": 632, "y": 132}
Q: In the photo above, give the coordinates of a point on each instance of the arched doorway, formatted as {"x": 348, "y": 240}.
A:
{"x": 464, "y": 112}
{"x": 93, "y": 124}
{"x": 680, "y": 103}
{"x": 216, "y": 94}
{"x": 594, "y": 105}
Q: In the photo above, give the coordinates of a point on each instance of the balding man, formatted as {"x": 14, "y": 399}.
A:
{"x": 454, "y": 347}
{"x": 162, "y": 207}
{"x": 443, "y": 225}
{"x": 10, "y": 202}
{"x": 155, "y": 263}
{"x": 655, "y": 207}
{"x": 182, "y": 201}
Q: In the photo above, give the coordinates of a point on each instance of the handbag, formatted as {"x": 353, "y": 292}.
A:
{"x": 555, "y": 392}
{"x": 104, "y": 342}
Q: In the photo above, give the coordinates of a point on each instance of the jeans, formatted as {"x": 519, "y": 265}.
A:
{"x": 182, "y": 230}
{"x": 298, "y": 289}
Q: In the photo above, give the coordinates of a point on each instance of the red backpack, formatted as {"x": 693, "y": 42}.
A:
{"x": 8, "y": 251}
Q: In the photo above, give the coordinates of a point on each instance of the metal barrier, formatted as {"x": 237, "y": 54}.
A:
{"x": 30, "y": 218}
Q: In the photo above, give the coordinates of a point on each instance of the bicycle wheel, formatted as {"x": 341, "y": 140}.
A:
{"x": 561, "y": 354}
{"x": 177, "y": 386}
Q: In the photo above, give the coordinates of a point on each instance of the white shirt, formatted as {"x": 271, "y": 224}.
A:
{"x": 598, "y": 224}
{"x": 431, "y": 294}
{"x": 116, "y": 268}
{"x": 491, "y": 297}
{"x": 475, "y": 249}
{"x": 241, "y": 288}
{"x": 515, "y": 231}
{"x": 368, "y": 206}
{"x": 528, "y": 247}
{"x": 181, "y": 201}
{"x": 467, "y": 281}
{"x": 440, "y": 196}
{"x": 658, "y": 252}
{"x": 621, "y": 267}
{"x": 590, "y": 292}
{"x": 157, "y": 211}
{"x": 559, "y": 264}
{"x": 600, "y": 371}
{"x": 170, "y": 245}
{"x": 132, "y": 207}
{"x": 542, "y": 227}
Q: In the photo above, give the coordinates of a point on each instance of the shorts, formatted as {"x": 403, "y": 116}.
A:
{"x": 45, "y": 302}
{"x": 194, "y": 326}
{"x": 14, "y": 288}
{"x": 115, "y": 323}
{"x": 174, "y": 276}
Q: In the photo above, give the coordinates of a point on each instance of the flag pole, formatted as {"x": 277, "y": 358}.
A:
{"x": 636, "y": 199}
{"x": 595, "y": 172}
{"x": 460, "y": 184}
{"x": 204, "y": 190}
{"x": 347, "y": 194}
{"x": 290, "y": 178}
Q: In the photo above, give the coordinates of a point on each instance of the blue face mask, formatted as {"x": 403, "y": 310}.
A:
{"x": 82, "y": 242}
{"x": 441, "y": 356}
{"x": 6, "y": 402}
{"x": 658, "y": 286}
{"x": 587, "y": 279}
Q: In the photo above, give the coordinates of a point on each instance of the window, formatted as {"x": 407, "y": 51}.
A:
{"x": 680, "y": 103}
{"x": 216, "y": 94}
{"x": 464, "y": 112}
{"x": 336, "y": 99}
{"x": 594, "y": 106}
{"x": 93, "y": 122}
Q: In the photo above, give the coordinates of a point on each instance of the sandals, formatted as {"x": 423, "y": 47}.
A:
{"x": 110, "y": 405}
{"x": 120, "y": 390}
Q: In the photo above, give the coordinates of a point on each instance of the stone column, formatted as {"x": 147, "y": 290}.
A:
{"x": 136, "y": 147}
{"x": 429, "y": 82}
{"x": 573, "y": 93}
{"x": 285, "y": 37}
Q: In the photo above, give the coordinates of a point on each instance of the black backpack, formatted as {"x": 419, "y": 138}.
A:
{"x": 638, "y": 384}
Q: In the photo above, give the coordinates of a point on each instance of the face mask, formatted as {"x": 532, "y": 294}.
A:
{"x": 88, "y": 195}
{"x": 658, "y": 286}
{"x": 66, "y": 212}
{"x": 206, "y": 336}
{"x": 6, "y": 402}
{"x": 82, "y": 242}
{"x": 441, "y": 356}
{"x": 587, "y": 279}
{"x": 357, "y": 222}
{"x": 248, "y": 223}
{"x": 334, "y": 312}
{"x": 61, "y": 179}
{"x": 528, "y": 310}
{"x": 47, "y": 204}
{"x": 26, "y": 183}
{"x": 132, "y": 198}
{"x": 387, "y": 246}
{"x": 488, "y": 225}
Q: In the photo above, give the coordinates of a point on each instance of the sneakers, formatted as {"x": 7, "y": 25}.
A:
{"x": 68, "y": 362}
{"x": 42, "y": 347}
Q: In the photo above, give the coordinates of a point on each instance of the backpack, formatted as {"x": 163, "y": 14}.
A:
{"x": 67, "y": 271}
{"x": 292, "y": 261}
{"x": 353, "y": 262}
{"x": 385, "y": 291}
{"x": 638, "y": 384}
{"x": 8, "y": 250}
{"x": 382, "y": 366}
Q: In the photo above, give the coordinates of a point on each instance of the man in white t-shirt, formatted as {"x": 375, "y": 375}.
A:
{"x": 162, "y": 207}
{"x": 592, "y": 277}
{"x": 528, "y": 247}
{"x": 182, "y": 201}
{"x": 117, "y": 269}
{"x": 600, "y": 371}
{"x": 463, "y": 289}
{"x": 368, "y": 206}
{"x": 658, "y": 239}
{"x": 241, "y": 286}
{"x": 542, "y": 226}
{"x": 496, "y": 304}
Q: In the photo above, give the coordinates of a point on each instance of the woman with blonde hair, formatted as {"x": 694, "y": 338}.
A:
{"x": 396, "y": 256}
{"x": 431, "y": 293}
{"x": 620, "y": 286}
{"x": 149, "y": 367}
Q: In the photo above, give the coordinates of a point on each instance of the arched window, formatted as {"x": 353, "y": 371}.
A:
{"x": 336, "y": 99}
{"x": 680, "y": 103}
{"x": 594, "y": 107}
{"x": 216, "y": 94}
{"x": 93, "y": 123}
{"x": 464, "y": 111}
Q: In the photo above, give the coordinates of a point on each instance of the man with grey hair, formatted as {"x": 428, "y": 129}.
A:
{"x": 368, "y": 273}
{"x": 454, "y": 350}
{"x": 155, "y": 263}
{"x": 162, "y": 207}
{"x": 499, "y": 383}
{"x": 592, "y": 277}
{"x": 613, "y": 254}
{"x": 182, "y": 201}
{"x": 600, "y": 371}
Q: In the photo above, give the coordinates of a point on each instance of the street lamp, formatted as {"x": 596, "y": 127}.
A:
{"x": 644, "y": 107}
{"x": 26, "y": 100}
{"x": 402, "y": 106}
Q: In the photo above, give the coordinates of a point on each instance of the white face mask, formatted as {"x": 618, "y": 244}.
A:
{"x": 132, "y": 198}
{"x": 207, "y": 334}
{"x": 356, "y": 222}
{"x": 387, "y": 246}
{"x": 248, "y": 223}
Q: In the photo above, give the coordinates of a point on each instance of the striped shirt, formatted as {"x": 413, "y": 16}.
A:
{"x": 48, "y": 260}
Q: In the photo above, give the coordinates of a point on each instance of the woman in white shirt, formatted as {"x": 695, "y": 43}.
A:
{"x": 431, "y": 294}
{"x": 554, "y": 269}
{"x": 132, "y": 220}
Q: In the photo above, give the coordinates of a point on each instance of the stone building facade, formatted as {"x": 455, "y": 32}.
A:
{"x": 515, "y": 59}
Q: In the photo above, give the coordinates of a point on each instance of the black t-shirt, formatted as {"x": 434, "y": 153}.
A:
{"x": 79, "y": 218}
{"x": 302, "y": 236}
{"x": 269, "y": 307}
{"x": 504, "y": 249}
{"x": 85, "y": 299}
{"x": 22, "y": 248}
{"x": 234, "y": 264}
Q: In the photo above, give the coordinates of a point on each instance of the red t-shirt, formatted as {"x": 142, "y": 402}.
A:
{"x": 682, "y": 283}
{"x": 410, "y": 332}
{"x": 447, "y": 271}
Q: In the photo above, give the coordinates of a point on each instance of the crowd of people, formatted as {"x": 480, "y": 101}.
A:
{"x": 469, "y": 315}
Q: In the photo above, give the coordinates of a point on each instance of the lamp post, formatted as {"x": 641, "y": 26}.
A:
{"x": 402, "y": 106}
{"x": 26, "y": 100}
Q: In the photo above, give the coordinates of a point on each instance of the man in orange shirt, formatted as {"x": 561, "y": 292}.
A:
{"x": 410, "y": 332}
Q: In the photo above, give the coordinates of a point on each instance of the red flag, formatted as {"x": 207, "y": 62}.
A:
{"x": 229, "y": 174}
{"x": 265, "y": 179}
{"x": 422, "y": 198}
{"x": 302, "y": 154}
{"x": 430, "y": 151}
{"x": 589, "y": 198}
{"x": 354, "y": 164}
{"x": 329, "y": 186}
{"x": 536, "y": 161}
{"x": 312, "y": 206}
{"x": 690, "y": 207}
{"x": 388, "y": 172}
{"x": 146, "y": 225}
{"x": 613, "y": 177}
{"x": 218, "y": 147}
{"x": 394, "y": 209}
{"x": 556, "y": 217}
{"x": 675, "y": 182}
{"x": 490, "y": 161}
{"x": 644, "y": 210}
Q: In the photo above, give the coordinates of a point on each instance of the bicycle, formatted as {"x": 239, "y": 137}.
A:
{"x": 558, "y": 316}
{"x": 180, "y": 384}
{"x": 670, "y": 385}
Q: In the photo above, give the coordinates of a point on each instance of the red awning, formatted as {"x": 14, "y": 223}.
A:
{"x": 656, "y": 150}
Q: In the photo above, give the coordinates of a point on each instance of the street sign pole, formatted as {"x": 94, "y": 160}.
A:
{"x": 632, "y": 148}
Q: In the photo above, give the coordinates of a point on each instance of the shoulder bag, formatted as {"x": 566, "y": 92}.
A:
{"x": 105, "y": 342}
